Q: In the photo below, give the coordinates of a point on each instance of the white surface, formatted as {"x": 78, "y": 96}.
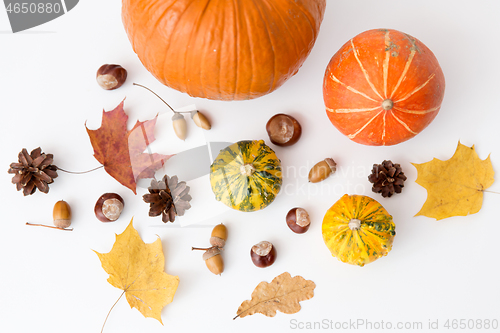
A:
{"x": 52, "y": 281}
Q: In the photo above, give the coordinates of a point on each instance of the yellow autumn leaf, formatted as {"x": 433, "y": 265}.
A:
{"x": 455, "y": 187}
{"x": 137, "y": 268}
{"x": 283, "y": 294}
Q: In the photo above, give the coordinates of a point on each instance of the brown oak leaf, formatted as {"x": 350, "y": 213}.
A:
{"x": 283, "y": 294}
{"x": 121, "y": 152}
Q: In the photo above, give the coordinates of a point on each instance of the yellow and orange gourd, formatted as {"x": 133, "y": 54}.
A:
{"x": 219, "y": 49}
{"x": 246, "y": 175}
{"x": 358, "y": 230}
{"x": 383, "y": 87}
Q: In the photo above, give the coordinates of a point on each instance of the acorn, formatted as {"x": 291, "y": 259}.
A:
{"x": 212, "y": 255}
{"x": 200, "y": 120}
{"x": 61, "y": 214}
{"x": 219, "y": 236}
{"x": 213, "y": 260}
{"x": 322, "y": 170}
{"x": 180, "y": 125}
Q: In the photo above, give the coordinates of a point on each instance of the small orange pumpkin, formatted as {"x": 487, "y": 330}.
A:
{"x": 220, "y": 49}
{"x": 383, "y": 87}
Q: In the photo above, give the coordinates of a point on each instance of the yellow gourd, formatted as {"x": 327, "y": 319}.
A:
{"x": 246, "y": 175}
{"x": 358, "y": 230}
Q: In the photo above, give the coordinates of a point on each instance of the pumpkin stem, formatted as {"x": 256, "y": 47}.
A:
{"x": 387, "y": 104}
{"x": 247, "y": 169}
{"x": 354, "y": 224}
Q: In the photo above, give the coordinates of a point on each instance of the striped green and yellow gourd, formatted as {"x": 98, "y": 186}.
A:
{"x": 246, "y": 175}
{"x": 358, "y": 230}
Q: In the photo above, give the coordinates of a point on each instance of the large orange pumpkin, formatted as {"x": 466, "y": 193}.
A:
{"x": 221, "y": 49}
{"x": 383, "y": 87}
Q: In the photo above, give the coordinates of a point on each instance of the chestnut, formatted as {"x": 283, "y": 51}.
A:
{"x": 283, "y": 129}
{"x": 108, "y": 207}
{"x": 111, "y": 77}
{"x": 263, "y": 254}
{"x": 298, "y": 220}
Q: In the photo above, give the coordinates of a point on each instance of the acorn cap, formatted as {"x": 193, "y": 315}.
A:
{"x": 211, "y": 252}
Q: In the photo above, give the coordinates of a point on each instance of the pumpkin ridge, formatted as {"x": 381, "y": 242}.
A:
{"x": 167, "y": 50}
{"x": 417, "y": 89}
{"x": 375, "y": 246}
{"x": 340, "y": 238}
{"x": 268, "y": 184}
{"x": 351, "y": 89}
{"x": 417, "y": 112}
{"x": 153, "y": 29}
{"x": 405, "y": 125}
{"x": 219, "y": 61}
{"x": 344, "y": 244}
{"x": 403, "y": 74}
{"x": 358, "y": 245}
{"x": 352, "y": 136}
{"x": 292, "y": 37}
{"x": 194, "y": 34}
{"x": 261, "y": 157}
{"x": 271, "y": 43}
{"x": 384, "y": 126}
{"x": 352, "y": 110}
{"x": 386, "y": 61}
{"x": 236, "y": 45}
{"x": 252, "y": 60}
{"x": 306, "y": 12}
{"x": 363, "y": 70}
{"x": 203, "y": 63}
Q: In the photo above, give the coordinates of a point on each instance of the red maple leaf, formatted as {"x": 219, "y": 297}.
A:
{"x": 121, "y": 152}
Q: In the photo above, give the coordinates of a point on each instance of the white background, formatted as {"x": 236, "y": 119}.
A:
{"x": 52, "y": 281}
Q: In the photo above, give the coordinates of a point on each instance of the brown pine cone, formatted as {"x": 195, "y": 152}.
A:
{"x": 167, "y": 197}
{"x": 387, "y": 178}
{"x": 34, "y": 170}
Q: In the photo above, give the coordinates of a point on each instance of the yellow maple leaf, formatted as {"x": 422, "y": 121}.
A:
{"x": 137, "y": 268}
{"x": 454, "y": 187}
{"x": 283, "y": 294}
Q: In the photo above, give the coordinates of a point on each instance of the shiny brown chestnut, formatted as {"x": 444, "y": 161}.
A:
{"x": 283, "y": 129}
{"x": 263, "y": 254}
{"x": 111, "y": 77}
{"x": 298, "y": 220}
{"x": 108, "y": 207}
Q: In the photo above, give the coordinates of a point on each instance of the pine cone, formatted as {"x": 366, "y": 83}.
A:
{"x": 33, "y": 171}
{"x": 168, "y": 197}
{"x": 387, "y": 178}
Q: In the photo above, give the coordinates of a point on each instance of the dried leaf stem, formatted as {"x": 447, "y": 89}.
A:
{"x": 140, "y": 85}
{"x": 105, "y": 320}
{"x": 48, "y": 226}
{"x": 491, "y": 191}
{"x": 80, "y": 172}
